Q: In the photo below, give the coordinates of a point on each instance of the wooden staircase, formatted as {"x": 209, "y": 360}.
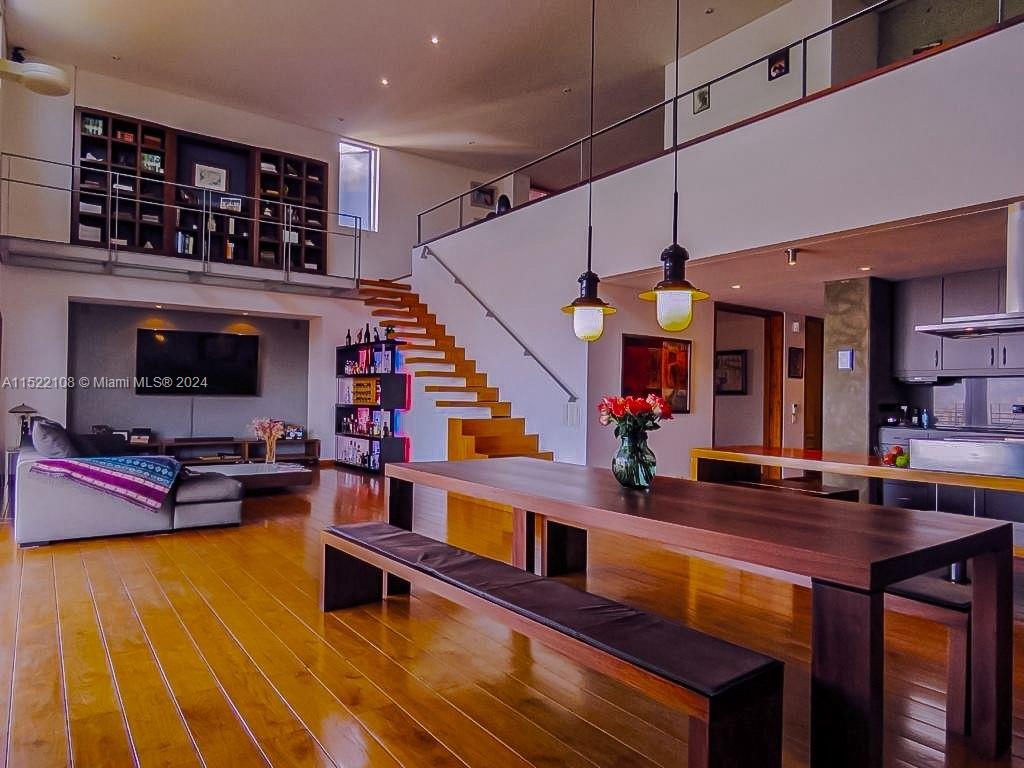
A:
{"x": 431, "y": 353}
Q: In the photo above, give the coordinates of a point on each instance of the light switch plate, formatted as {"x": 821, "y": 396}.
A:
{"x": 845, "y": 359}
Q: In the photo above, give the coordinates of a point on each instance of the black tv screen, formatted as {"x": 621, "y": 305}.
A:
{"x": 196, "y": 363}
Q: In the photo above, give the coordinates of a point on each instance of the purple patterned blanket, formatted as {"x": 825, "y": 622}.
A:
{"x": 143, "y": 481}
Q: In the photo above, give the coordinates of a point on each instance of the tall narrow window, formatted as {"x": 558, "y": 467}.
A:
{"x": 358, "y": 187}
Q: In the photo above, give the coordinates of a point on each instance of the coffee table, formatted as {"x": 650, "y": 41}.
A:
{"x": 259, "y": 476}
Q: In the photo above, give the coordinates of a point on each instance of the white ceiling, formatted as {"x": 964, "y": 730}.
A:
{"x": 945, "y": 244}
{"x": 489, "y": 96}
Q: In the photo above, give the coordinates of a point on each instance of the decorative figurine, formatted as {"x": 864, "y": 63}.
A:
{"x": 359, "y": 337}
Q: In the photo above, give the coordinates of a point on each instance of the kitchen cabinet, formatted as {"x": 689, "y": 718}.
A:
{"x": 917, "y": 302}
{"x": 967, "y": 294}
{"x": 1004, "y": 505}
{"x": 1011, "y": 351}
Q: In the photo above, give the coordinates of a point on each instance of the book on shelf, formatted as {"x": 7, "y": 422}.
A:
{"x": 150, "y": 218}
{"x": 89, "y": 233}
{"x": 184, "y": 243}
{"x": 123, "y": 242}
{"x": 268, "y": 167}
{"x": 94, "y": 208}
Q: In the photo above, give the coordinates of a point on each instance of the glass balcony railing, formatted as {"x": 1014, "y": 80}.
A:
{"x": 866, "y": 43}
{"x": 123, "y": 220}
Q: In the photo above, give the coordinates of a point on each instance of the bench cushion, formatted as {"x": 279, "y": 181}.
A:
{"x": 936, "y": 591}
{"x": 684, "y": 656}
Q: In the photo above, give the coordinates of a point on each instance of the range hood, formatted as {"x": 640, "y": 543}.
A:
{"x": 1010, "y": 321}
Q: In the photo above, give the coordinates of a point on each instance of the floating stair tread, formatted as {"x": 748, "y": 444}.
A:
{"x": 400, "y": 313}
{"x": 385, "y": 284}
{"x": 497, "y": 409}
{"x": 548, "y": 455}
{"x": 393, "y": 303}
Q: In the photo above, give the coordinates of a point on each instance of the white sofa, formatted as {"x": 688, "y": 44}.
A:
{"x": 48, "y": 509}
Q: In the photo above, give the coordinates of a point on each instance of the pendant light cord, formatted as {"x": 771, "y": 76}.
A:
{"x": 675, "y": 141}
{"x": 590, "y": 162}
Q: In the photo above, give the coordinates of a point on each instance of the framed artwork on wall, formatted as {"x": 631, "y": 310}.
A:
{"x": 796, "y": 363}
{"x": 778, "y": 64}
{"x": 731, "y": 372}
{"x": 210, "y": 177}
{"x": 701, "y": 99}
{"x": 652, "y": 365}
{"x": 481, "y": 197}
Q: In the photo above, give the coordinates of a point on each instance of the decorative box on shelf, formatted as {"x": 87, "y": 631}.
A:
{"x": 371, "y": 395}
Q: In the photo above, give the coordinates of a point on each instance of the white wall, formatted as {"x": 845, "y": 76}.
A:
{"x": 44, "y": 127}
{"x": 35, "y": 331}
{"x": 672, "y": 443}
{"x": 748, "y": 93}
{"x": 793, "y": 389}
{"x": 739, "y": 419}
{"x": 502, "y": 261}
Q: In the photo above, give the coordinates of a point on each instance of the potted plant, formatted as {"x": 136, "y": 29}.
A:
{"x": 634, "y": 464}
{"x": 268, "y": 430}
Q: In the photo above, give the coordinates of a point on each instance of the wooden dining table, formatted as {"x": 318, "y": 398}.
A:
{"x": 851, "y": 553}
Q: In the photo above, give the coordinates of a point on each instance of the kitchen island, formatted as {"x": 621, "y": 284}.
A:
{"x": 743, "y": 463}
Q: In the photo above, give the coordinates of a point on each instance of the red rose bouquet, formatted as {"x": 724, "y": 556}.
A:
{"x": 634, "y": 465}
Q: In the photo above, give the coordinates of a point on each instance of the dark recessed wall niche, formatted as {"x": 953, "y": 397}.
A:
{"x": 101, "y": 342}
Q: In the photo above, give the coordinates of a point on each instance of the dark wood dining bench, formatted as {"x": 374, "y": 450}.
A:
{"x": 732, "y": 695}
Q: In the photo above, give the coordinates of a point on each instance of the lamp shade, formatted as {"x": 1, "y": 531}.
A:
{"x": 588, "y": 310}
{"x": 675, "y": 294}
{"x": 23, "y": 410}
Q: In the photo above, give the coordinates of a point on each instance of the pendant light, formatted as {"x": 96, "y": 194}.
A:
{"x": 588, "y": 310}
{"x": 675, "y": 294}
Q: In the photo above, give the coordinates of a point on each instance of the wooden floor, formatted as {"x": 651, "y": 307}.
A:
{"x": 207, "y": 648}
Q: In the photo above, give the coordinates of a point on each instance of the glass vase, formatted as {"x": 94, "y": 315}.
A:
{"x": 271, "y": 451}
{"x": 634, "y": 464}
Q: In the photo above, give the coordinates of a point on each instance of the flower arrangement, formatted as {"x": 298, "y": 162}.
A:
{"x": 634, "y": 465}
{"x": 268, "y": 430}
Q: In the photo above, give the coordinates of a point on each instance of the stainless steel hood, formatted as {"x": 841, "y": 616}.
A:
{"x": 1010, "y": 321}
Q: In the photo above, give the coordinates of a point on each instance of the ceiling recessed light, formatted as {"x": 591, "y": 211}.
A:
{"x": 865, "y": 269}
{"x": 159, "y": 306}
{"x": 116, "y": 58}
{"x": 435, "y": 39}
{"x": 341, "y": 119}
{"x": 385, "y": 81}
{"x": 709, "y": 11}
{"x": 567, "y": 89}
{"x": 736, "y": 287}
{"x": 471, "y": 142}
{"x": 246, "y": 314}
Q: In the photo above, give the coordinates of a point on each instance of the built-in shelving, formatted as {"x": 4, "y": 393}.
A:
{"x": 273, "y": 209}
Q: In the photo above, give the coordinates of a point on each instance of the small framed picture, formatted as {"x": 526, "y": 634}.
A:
{"x": 481, "y": 197}
{"x": 701, "y": 99}
{"x": 731, "y": 372}
{"x": 845, "y": 360}
{"x": 122, "y": 433}
{"x": 92, "y": 125}
{"x": 210, "y": 177}
{"x": 233, "y": 204}
{"x": 778, "y": 64}
{"x": 152, "y": 162}
{"x": 796, "y": 363}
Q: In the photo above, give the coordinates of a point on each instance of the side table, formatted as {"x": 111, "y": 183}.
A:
{"x": 10, "y": 473}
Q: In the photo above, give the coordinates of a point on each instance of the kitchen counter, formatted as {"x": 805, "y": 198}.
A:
{"x": 856, "y": 465}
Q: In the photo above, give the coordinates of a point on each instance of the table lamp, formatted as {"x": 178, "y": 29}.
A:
{"x": 25, "y": 412}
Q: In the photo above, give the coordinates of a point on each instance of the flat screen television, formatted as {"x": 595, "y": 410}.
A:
{"x": 196, "y": 363}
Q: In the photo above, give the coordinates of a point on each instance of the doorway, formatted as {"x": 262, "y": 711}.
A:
{"x": 814, "y": 328}
{"x": 748, "y": 376}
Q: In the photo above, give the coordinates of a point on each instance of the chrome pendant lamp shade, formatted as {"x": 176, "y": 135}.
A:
{"x": 588, "y": 310}
{"x": 674, "y": 294}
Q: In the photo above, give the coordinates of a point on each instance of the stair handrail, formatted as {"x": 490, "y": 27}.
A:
{"x": 527, "y": 352}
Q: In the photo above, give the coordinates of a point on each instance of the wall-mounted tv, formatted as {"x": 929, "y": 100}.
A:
{"x": 196, "y": 363}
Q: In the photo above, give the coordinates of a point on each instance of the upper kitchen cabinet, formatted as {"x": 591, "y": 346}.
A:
{"x": 967, "y": 294}
{"x": 918, "y": 302}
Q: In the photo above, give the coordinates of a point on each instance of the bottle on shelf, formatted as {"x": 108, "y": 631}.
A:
{"x": 348, "y": 337}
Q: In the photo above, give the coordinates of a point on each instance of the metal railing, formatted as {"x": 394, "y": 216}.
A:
{"x": 569, "y": 162}
{"x": 491, "y": 314}
{"x": 207, "y": 229}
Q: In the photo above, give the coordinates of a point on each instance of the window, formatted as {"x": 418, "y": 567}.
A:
{"x": 358, "y": 188}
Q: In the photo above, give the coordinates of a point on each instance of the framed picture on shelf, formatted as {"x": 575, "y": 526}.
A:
{"x": 796, "y": 363}
{"x": 702, "y": 99}
{"x": 233, "y": 204}
{"x": 652, "y": 365}
{"x": 152, "y": 162}
{"x": 92, "y": 125}
{"x": 210, "y": 177}
{"x": 731, "y": 372}
{"x": 778, "y": 64}
{"x": 481, "y": 197}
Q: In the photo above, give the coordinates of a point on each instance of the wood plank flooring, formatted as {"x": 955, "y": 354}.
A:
{"x": 207, "y": 648}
